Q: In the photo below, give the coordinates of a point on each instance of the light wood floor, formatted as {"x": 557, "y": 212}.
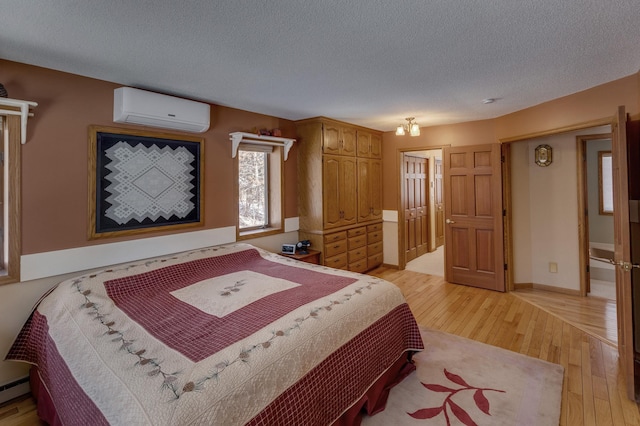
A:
{"x": 593, "y": 315}
{"x": 593, "y": 391}
{"x": 528, "y": 322}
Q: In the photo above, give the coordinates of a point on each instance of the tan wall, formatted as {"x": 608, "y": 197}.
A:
{"x": 54, "y": 166}
{"x": 596, "y": 103}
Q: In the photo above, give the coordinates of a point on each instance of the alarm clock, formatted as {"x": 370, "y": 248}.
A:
{"x": 288, "y": 249}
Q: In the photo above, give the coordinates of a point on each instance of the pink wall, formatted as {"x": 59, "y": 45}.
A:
{"x": 596, "y": 103}
{"x": 54, "y": 159}
{"x": 54, "y": 209}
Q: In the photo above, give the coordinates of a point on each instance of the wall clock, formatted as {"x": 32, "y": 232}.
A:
{"x": 543, "y": 155}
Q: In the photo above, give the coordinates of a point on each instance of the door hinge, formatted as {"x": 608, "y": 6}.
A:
{"x": 504, "y": 212}
{"x": 506, "y": 267}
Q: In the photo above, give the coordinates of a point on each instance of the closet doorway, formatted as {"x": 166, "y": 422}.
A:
{"x": 422, "y": 212}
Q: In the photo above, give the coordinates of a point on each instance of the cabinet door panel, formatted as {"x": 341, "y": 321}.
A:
{"x": 364, "y": 190}
{"x": 348, "y": 195}
{"x": 331, "y": 191}
{"x": 376, "y": 189}
{"x": 331, "y": 139}
{"x": 364, "y": 144}
{"x": 375, "y": 149}
{"x": 348, "y": 141}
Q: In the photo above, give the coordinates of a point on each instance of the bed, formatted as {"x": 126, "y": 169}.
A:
{"x": 226, "y": 335}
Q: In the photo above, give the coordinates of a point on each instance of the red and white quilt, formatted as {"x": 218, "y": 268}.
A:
{"x": 220, "y": 336}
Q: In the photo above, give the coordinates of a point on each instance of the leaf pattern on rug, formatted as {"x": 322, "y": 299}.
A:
{"x": 479, "y": 397}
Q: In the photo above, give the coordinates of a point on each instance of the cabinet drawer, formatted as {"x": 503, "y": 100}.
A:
{"x": 359, "y": 241}
{"x": 338, "y": 262}
{"x": 374, "y": 248}
{"x": 332, "y": 249}
{"x": 357, "y": 231}
{"x": 336, "y": 236}
{"x": 373, "y": 228}
{"x": 374, "y": 237}
{"x": 375, "y": 260}
{"x": 359, "y": 266}
{"x": 357, "y": 254}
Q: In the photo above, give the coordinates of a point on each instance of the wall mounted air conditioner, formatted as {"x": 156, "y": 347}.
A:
{"x": 135, "y": 106}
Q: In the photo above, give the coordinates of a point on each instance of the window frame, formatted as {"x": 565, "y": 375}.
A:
{"x": 12, "y": 244}
{"x": 266, "y": 167}
{"x": 602, "y": 181}
{"x": 275, "y": 197}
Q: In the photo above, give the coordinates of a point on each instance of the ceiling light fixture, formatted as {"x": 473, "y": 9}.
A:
{"x": 488, "y": 101}
{"x": 411, "y": 127}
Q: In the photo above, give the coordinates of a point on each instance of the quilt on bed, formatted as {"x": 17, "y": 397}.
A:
{"x": 225, "y": 335}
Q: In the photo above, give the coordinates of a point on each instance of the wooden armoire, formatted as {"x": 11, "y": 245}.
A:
{"x": 340, "y": 192}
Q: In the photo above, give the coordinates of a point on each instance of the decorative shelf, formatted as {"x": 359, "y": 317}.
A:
{"x": 252, "y": 138}
{"x": 23, "y": 113}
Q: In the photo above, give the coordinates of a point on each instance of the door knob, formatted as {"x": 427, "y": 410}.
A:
{"x": 449, "y": 221}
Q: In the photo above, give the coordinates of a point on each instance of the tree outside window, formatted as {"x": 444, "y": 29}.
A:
{"x": 253, "y": 190}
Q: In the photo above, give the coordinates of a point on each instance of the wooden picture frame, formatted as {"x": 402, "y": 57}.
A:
{"x": 141, "y": 181}
{"x": 543, "y": 155}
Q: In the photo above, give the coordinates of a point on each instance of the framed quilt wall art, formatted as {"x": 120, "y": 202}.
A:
{"x": 143, "y": 181}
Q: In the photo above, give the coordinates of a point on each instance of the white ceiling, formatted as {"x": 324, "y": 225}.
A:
{"x": 368, "y": 62}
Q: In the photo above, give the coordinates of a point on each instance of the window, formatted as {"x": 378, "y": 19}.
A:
{"x": 259, "y": 183}
{"x": 605, "y": 182}
{"x": 253, "y": 185}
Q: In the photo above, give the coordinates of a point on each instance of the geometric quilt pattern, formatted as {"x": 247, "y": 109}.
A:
{"x": 148, "y": 182}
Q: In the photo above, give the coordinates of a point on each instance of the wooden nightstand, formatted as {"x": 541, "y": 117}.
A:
{"x": 312, "y": 257}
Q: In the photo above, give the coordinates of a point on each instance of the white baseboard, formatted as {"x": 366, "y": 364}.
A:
{"x": 15, "y": 389}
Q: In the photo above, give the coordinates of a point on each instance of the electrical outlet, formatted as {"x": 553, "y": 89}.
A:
{"x": 553, "y": 267}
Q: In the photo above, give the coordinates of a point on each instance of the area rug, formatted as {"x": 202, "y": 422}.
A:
{"x": 463, "y": 382}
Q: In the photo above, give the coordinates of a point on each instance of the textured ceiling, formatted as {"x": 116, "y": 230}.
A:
{"x": 368, "y": 62}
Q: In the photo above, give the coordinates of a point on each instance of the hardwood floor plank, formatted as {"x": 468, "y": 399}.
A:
{"x": 603, "y": 412}
{"x": 574, "y": 409}
{"x": 588, "y": 403}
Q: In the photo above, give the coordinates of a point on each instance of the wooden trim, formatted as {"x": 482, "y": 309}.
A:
{"x": 402, "y": 259}
{"x": 558, "y": 130}
{"x": 402, "y": 238}
{"x": 549, "y": 288}
{"x": 386, "y": 265}
{"x": 507, "y": 218}
{"x": 521, "y": 286}
{"x": 583, "y": 218}
{"x": 583, "y": 208}
{"x": 276, "y": 201}
{"x": 323, "y": 119}
{"x": 13, "y": 134}
{"x": 248, "y": 235}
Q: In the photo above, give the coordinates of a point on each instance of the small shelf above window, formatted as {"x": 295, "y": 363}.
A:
{"x": 251, "y": 138}
{"x": 23, "y": 113}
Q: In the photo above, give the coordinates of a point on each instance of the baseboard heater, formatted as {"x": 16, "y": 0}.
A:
{"x": 14, "y": 389}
